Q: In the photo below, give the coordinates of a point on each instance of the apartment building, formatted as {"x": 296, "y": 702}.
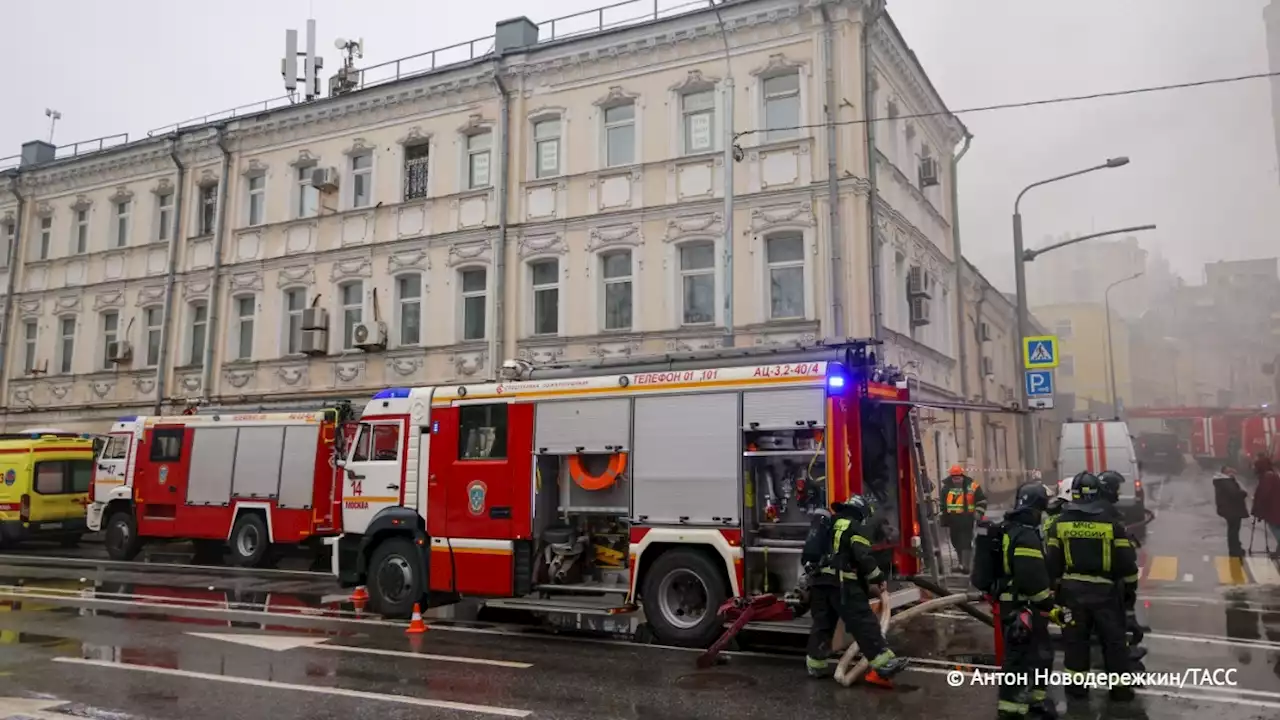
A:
{"x": 555, "y": 199}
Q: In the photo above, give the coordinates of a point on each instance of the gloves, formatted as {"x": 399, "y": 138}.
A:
{"x": 1060, "y": 615}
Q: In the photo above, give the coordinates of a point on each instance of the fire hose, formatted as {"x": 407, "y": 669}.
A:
{"x": 847, "y": 673}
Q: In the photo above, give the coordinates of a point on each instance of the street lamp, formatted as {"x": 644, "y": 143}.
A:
{"x": 1111, "y": 348}
{"x": 1020, "y": 277}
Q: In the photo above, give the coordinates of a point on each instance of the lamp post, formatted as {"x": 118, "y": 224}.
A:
{"x": 729, "y": 157}
{"x": 1020, "y": 277}
{"x": 1111, "y": 348}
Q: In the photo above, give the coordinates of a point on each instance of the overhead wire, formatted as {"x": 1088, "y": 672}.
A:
{"x": 1031, "y": 103}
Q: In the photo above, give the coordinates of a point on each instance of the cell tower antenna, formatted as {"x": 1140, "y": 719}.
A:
{"x": 311, "y": 63}
{"x": 54, "y": 116}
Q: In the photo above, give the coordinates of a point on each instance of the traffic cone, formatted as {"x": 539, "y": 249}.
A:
{"x": 359, "y": 597}
{"x": 416, "y": 626}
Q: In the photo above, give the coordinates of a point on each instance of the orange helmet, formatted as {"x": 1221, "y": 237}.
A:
{"x": 956, "y": 470}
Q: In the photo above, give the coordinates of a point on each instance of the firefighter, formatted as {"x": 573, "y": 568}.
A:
{"x": 1026, "y": 605}
{"x": 964, "y": 503}
{"x": 1098, "y": 570}
{"x": 839, "y": 585}
{"x": 1134, "y": 631}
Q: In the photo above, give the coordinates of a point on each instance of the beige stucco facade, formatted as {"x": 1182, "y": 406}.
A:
{"x": 612, "y": 244}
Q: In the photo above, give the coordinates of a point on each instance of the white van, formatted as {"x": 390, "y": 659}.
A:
{"x": 1095, "y": 446}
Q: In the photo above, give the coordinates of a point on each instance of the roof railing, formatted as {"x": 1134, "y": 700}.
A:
{"x": 87, "y": 147}
{"x": 235, "y": 112}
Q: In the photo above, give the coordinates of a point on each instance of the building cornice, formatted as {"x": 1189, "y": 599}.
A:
{"x": 890, "y": 51}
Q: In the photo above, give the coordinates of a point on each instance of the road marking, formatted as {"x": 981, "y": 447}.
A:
{"x": 1263, "y": 570}
{"x": 1215, "y": 640}
{"x": 279, "y": 643}
{"x": 1230, "y": 571}
{"x": 1188, "y": 577}
{"x": 1206, "y": 558}
{"x": 32, "y": 708}
{"x": 272, "y": 684}
{"x": 1163, "y": 567}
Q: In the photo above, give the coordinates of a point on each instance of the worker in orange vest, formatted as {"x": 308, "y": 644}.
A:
{"x": 963, "y": 504}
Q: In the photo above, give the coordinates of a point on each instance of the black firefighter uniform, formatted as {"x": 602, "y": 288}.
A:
{"x": 1025, "y": 600}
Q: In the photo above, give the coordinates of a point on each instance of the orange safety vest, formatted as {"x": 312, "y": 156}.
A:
{"x": 960, "y": 499}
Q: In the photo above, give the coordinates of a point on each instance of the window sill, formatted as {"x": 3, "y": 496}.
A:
{"x": 547, "y": 180}
{"x": 188, "y": 367}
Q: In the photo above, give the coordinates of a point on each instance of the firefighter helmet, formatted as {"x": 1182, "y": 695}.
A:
{"x": 1032, "y": 495}
{"x": 1111, "y": 482}
{"x": 1085, "y": 486}
{"x": 858, "y": 507}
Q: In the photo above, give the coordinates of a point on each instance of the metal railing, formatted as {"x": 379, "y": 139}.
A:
{"x": 235, "y": 112}
{"x": 86, "y": 147}
{"x": 11, "y": 162}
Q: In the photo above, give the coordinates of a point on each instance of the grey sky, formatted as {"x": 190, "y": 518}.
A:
{"x": 1204, "y": 163}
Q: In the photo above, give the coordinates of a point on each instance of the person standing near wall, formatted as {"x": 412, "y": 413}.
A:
{"x": 964, "y": 503}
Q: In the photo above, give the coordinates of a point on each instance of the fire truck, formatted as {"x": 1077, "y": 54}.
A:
{"x": 1218, "y": 436}
{"x": 246, "y": 482}
{"x": 664, "y": 490}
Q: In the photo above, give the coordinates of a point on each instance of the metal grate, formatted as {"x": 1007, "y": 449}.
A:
{"x": 416, "y": 159}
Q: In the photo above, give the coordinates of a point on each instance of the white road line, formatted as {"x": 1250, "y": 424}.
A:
{"x": 1206, "y": 558}
{"x": 1188, "y": 577}
{"x": 1214, "y": 640}
{"x": 1263, "y": 570}
{"x": 278, "y": 643}
{"x": 274, "y": 685}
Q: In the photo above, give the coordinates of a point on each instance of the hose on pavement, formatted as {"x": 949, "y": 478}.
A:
{"x": 939, "y": 591}
{"x": 847, "y": 673}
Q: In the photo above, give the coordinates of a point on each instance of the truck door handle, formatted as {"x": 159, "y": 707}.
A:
{"x": 354, "y": 475}
{"x": 393, "y": 486}
{"x": 173, "y": 488}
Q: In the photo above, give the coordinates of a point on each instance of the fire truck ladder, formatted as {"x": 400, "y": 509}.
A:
{"x": 926, "y": 501}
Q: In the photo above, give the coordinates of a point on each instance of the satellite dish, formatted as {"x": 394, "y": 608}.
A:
{"x": 340, "y": 44}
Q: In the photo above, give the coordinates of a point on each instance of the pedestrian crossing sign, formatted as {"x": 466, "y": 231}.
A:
{"x": 1040, "y": 352}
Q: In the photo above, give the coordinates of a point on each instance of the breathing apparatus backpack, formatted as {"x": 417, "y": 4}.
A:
{"x": 817, "y": 544}
{"x": 988, "y": 565}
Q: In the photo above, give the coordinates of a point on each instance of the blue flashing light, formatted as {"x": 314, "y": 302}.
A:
{"x": 835, "y": 383}
{"x": 392, "y": 394}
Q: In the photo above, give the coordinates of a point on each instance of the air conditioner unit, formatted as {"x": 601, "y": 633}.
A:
{"x": 325, "y": 179}
{"x": 370, "y": 336}
{"x": 984, "y": 332}
{"x": 928, "y": 172}
{"x": 920, "y": 311}
{"x": 1008, "y": 395}
{"x": 918, "y": 283}
{"x": 120, "y": 351}
{"x": 315, "y": 342}
{"x": 988, "y": 366}
{"x": 315, "y": 318}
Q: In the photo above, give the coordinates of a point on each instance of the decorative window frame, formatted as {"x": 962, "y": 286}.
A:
{"x": 618, "y": 97}
{"x": 706, "y": 227}
{"x": 254, "y": 169}
{"x": 306, "y": 160}
{"x": 416, "y": 137}
{"x": 695, "y": 82}
{"x": 532, "y": 119}
{"x": 359, "y": 148}
{"x": 285, "y": 288}
{"x": 394, "y": 333}
{"x": 533, "y": 249}
{"x": 58, "y": 337}
{"x": 476, "y": 124}
{"x": 475, "y": 263}
{"x": 602, "y": 241}
{"x": 778, "y": 65}
{"x": 163, "y": 187}
{"x": 233, "y": 332}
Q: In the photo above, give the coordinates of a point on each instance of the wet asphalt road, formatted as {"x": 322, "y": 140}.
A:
{"x": 108, "y": 640}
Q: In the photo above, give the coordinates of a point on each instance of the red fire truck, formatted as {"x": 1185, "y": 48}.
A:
{"x": 1258, "y": 434}
{"x": 665, "y": 490}
{"x": 243, "y": 481}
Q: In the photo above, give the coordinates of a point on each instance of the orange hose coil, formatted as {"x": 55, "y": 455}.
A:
{"x": 606, "y": 478}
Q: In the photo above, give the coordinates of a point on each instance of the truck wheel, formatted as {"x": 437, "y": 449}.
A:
{"x": 682, "y": 595}
{"x": 249, "y": 541}
{"x": 122, "y": 539}
{"x": 396, "y": 580}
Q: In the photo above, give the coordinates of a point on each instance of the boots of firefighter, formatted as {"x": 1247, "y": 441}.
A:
{"x": 819, "y": 668}
{"x": 1122, "y": 693}
{"x": 884, "y": 667}
{"x": 1041, "y": 705}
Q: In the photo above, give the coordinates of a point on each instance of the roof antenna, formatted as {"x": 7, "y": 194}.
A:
{"x": 311, "y": 63}
{"x": 54, "y": 116}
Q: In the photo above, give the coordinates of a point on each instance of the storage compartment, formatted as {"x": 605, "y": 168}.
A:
{"x": 784, "y": 480}
{"x": 257, "y": 462}
{"x": 297, "y": 466}
{"x": 783, "y": 409}
{"x": 687, "y": 459}
{"x": 210, "y": 474}
{"x": 583, "y": 426}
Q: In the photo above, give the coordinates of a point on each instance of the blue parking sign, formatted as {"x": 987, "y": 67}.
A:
{"x": 1039, "y": 382}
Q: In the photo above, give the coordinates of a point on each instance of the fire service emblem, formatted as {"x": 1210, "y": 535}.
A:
{"x": 476, "y": 491}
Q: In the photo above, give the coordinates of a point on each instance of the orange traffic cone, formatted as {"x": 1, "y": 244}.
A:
{"x": 416, "y": 625}
{"x": 359, "y": 597}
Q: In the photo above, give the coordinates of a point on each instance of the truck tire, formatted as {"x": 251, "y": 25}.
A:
{"x": 122, "y": 539}
{"x": 249, "y": 541}
{"x": 396, "y": 579}
{"x": 682, "y": 595}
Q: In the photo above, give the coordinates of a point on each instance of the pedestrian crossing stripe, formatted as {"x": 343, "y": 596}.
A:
{"x": 1250, "y": 570}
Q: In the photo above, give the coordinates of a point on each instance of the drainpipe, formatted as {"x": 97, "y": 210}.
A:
{"x": 162, "y": 360}
{"x": 10, "y": 285}
{"x": 219, "y": 231}
{"x": 959, "y": 263}
{"x": 835, "y": 242}
{"x": 868, "y": 113}
{"x": 496, "y": 328}
{"x": 982, "y": 379}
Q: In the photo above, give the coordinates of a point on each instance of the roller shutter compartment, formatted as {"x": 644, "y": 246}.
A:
{"x": 595, "y": 426}
{"x": 258, "y": 463}
{"x": 685, "y": 461}
{"x": 298, "y": 466}
{"x": 783, "y": 409}
{"x": 209, "y": 479}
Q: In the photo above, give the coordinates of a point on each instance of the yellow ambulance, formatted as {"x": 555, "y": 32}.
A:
{"x": 44, "y": 485}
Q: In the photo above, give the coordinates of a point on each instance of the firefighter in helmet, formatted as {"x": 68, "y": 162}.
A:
{"x": 841, "y": 582}
{"x": 1111, "y": 481}
{"x": 963, "y": 503}
{"x": 1098, "y": 568}
{"x": 1026, "y": 605}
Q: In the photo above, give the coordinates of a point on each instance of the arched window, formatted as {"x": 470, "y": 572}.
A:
{"x": 784, "y": 256}
{"x": 697, "y": 283}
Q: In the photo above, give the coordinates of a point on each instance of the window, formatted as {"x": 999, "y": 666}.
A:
{"x": 478, "y": 146}
{"x": 545, "y": 277}
{"x": 207, "y": 212}
{"x": 785, "y": 255}
{"x": 153, "y": 318}
{"x": 110, "y": 334}
{"x": 117, "y": 448}
{"x": 81, "y": 232}
{"x": 409, "y": 307}
{"x": 1063, "y": 329}
{"x": 699, "y": 113}
{"x": 474, "y": 285}
{"x": 416, "y": 163}
{"x": 257, "y": 199}
{"x": 63, "y": 477}
{"x": 482, "y": 432}
{"x": 378, "y": 442}
{"x": 9, "y": 238}
{"x": 697, "y": 283}
{"x": 620, "y": 135}
{"x": 123, "y": 210}
{"x": 361, "y": 180}
{"x": 546, "y": 145}
{"x": 782, "y": 106}
{"x": 245, "y": 310}
{"x": 166, "y": 445}
{"x": 30, "y": 333}
{"x": 199, "y": 328}
{"x": 66, "y": 344}
{"x": 295, "y": 301}
{"x": 352, "y": 298}
{"x": 615, "y": 273}
{"x": 46, "y": 236}
{"x": 308, "y": 197}
{"x": 164, "y": 215}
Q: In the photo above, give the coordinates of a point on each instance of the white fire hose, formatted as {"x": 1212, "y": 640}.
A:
{"x": 847, "y": 673}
